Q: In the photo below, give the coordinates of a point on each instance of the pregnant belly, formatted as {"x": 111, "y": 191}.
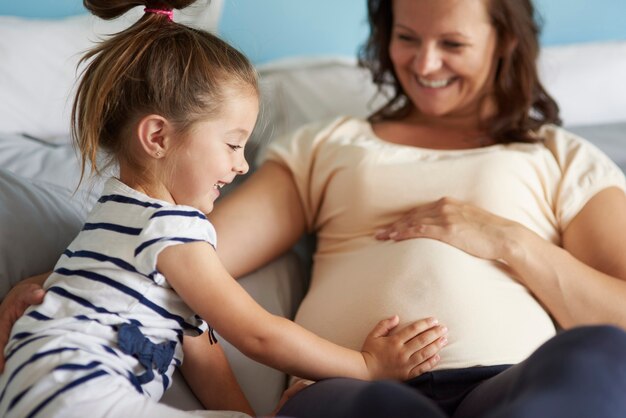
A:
{"x": 491, "y": 318}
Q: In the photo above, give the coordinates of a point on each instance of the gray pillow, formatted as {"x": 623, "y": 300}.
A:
{"x": 37, "y": 221}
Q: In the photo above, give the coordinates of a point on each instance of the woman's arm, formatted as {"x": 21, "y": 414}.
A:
{"x": 197, "y": 275}
{"x": 25, "y": 293}
{"x": 585, "y": 281}
{"x": 582, "y": 283}
{"x": 208, "y": 373}
{"x": 259, "y": 220}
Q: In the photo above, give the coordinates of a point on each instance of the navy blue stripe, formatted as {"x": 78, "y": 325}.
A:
{"x": 109, "y": 350}
{"x": 25, "y": 343}
{"x": 185, "y": 213}
{"x": 18, "y": 397}
{"x": 32, "y": 359}
{"x": 67, "y": 366}
{"x": 112, "y": 227}
{"x": 129, "y": 200}
{"x": 135, "y": 382}
{"x": 84, "y": 302}
{"x": 104, "y": 258}
{"x": 21, "y": 335}
{"x": 65, "y": 388}
{"x": 153, "y": 241}
{"x": 39, "y": 316}
{"x": 73, "y": 366}
{"x": 128, "y": 291}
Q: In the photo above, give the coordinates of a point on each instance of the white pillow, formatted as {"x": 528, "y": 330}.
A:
{"x": 587, "y": 81}
{"x": 38, "y": 61}
{"x": 37, "y": 221}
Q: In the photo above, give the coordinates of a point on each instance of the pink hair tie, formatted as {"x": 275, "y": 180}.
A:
{"x": 166, "y": 12}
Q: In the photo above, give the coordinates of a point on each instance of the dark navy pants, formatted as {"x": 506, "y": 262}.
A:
{"x": 580, "y": 373}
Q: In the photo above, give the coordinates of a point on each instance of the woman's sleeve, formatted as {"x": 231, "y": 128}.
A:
{"x": 585, "y": 171}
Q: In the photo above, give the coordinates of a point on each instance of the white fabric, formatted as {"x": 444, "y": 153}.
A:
{"x": 39, "y": 58}
{"x": 587, "y": 81}
{"x": 352, "y": 183}
{"x": 106, "y": 280}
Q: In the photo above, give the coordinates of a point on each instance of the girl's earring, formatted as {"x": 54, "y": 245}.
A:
{"x": 158, "y": 154}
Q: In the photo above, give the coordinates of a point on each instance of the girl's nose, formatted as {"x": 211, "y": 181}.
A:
{"x": 241, "y": 167}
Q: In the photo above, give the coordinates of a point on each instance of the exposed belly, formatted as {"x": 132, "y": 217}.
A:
{"x": 491, "y": 318}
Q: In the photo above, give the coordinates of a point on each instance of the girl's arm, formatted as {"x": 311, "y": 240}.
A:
{"x": 197, "y": 275}
{"x": 582, "y": 283}
{"x": 208, "y": 373}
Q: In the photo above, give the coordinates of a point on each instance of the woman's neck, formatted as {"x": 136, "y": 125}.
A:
{"x": 449, "y": 132}
{"x": 461, "y": 130}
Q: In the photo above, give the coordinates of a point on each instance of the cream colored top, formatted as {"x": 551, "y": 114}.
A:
{"x": 351, "y": 183}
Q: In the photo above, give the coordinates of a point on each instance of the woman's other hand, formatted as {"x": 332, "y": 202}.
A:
{"x": 24, "y": 294}
{"x": 462, "y": 225}
{"x": 404, "y": 353}
{"x": 288, "y": 394}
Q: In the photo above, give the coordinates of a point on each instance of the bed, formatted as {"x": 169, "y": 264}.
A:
{"x": 40, "y": 211}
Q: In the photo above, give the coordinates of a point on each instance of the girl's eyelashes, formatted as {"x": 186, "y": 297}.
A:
{"x": 234, "y": 147}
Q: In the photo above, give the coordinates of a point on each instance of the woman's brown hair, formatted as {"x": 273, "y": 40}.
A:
{"x": 155, "y": 66}
{"x": 523, "y": 104}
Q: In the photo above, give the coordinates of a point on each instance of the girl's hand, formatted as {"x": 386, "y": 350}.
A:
{"x": 288, "y": 394}
{"x": 405, "y": 354}
{"x": 20, "y": 297}
{"x": 462, "y": 225}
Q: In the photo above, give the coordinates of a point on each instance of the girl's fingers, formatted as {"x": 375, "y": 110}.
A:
{"x": 384, "y": 326}
{"x": 424, "y": 367}
{"x": 413, "y": 330}
{"x": 429, "y": 351}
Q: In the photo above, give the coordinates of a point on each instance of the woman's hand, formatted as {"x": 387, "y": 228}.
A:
{"x": 24, "y": 294}
{"x": 406, "y": 353}
{"x": 288, "y": 394}
{"x": 462, "y": 225}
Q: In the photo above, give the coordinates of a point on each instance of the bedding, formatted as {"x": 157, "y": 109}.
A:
{"x": 40, "y": 210}
{"x": 39, "y": 59}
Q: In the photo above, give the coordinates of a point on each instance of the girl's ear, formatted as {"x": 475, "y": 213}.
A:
{"x": 152, "y": 133}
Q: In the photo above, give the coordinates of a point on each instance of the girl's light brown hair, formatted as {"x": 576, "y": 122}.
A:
{"x": 156, "y": 66}
{"x": 523, "y": 104}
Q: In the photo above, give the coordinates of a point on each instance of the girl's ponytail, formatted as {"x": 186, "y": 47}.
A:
{"x": 156, "y": 66}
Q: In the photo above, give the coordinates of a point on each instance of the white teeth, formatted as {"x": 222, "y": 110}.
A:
{"x": 434, "y": 84}
{"x": 218, "y": 185}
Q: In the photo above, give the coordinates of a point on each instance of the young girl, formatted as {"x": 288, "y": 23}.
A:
{"x": 174, "y": 107}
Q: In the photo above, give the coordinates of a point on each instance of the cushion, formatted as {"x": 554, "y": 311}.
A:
{"x": 39, "y": 59}
{"x": 38, "y": 220}
{"x": 297, "y": 91}
{"x": 586, "y": 81}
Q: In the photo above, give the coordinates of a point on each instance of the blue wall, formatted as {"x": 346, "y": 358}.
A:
{"x": 269, "y": 29}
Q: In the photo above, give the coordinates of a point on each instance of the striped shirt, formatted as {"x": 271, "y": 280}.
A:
{"x": 107, "y": 282}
